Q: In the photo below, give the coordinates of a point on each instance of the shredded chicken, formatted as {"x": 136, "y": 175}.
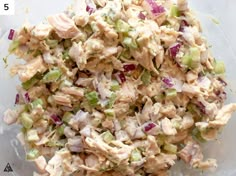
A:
{"x": 117, "y": 88}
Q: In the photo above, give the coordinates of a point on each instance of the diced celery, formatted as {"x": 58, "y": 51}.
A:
{"x": 32, "y": 135}
{"x": 66, "y": 117}
{"x": 107, "y": 137}
{"x": 96, "y": 121}
{"x": 26, "y": 120}
{"x": 170, "y": 148}
{"x": 92, "y": 98}
{"x": 126, "y": 54}
{"x": 60, "y": 130}
{"x": 36, "y": 103}
{"x": 110, "y": 113}
{"x": 32, "y": 154}
{"x": 115, "y": 86}
{"x": 65, "y": 55}
{"x": 195, "y": 55}
{"x": 51, "y": 43}
{"x": 219, "y": 67}
{"x": 174, "y": 11}
{"x": 170, "y": 93}
{"x": 135, "y": 155}
{"x": 186, "y": 60}
{"x": 30, "y": 83}
{"x": 192, "y": 59}
{"x": 111, "y": 100}
{"x": 122, "y": 26}
{"x": 130, "y": 43}
{"x": 13, "y": 46}
{"x": 161, "y": 140}
{"x": 52, "y": 76}
{"x": 146, "y": 77}
{"x": 197, "y": 135}
{"x": 56, "y": 143}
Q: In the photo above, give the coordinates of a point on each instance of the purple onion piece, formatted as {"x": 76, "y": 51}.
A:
{"x": 129, "y": 67}
{"x": 17, "y": 99}
{"x": 120, "y": 77}
{"x": 27, "y": 97}
{"x": 149, "y": 126}
{"x": 168, "y": 82}
{"x": 56, "y": 119}
{"x": 90, "y": 9}
{"x": 141, "y": 16}
{"x": 11, "y": 34}
{"x": 222, "y": 81}
{"x": 155, "y": 8}
{"x": 174, "y": 50}
{"x": 183, "y": 24}
{"x": 202, "y": 107}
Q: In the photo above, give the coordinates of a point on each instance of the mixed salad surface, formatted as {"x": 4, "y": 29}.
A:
{"x": 117, "y": 88}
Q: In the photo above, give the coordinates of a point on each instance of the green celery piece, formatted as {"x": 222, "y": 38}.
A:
{"x": 26, "y": 120}
{"x": 32, "y": 135}
{"x": 52, "y": 76}
{"x": 65, "y": 55}
{"x": 51, "y": 43}
{"x": 130, "y": 43}
{"x": 32, "y": 154}
{"x": 107, "y": 137}
{"x": 174, "y": 11}
{"x": 192, "y": 59}
{"x": 13, "y": 46}
{"x": 122, "y": 26}
{"x": 195, "y": 54}
{"x": 170, "y": 93}
{"x": 135, "y": 155}
{"x": 111, "y": 100}
{"x": 115, "y": 86}
{"x": 66, "y": 117}
{"x": 92, "y": 98}
{"x": 170, "y": 148}
{"x": 110, "y": 113}
{"x": 219, "y": 67}
{"x": 36, "y": 103}
{"x": 197, "y": 135}
{"x": 60, "y": 129}
{"x": 146, "y": 77}
{"x": 30, "y": 83}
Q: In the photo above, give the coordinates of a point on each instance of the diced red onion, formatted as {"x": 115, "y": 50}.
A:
{"x": 17, "y": 98}
{"x": 11, "y": 34}
{"x": 56, "y": 119}
{"x": 141, "y": 16}
{"x": 120, "y": 77}
{"x": 26, "y": 97}
{"x": 155, "y": 8}
{"x": 168, "y": 82}
{"x": 183, "y": 24}
{"x": 91, "y": 7}
{"x": 174, "y": 50}
{"x": 149, "y": 126}
{"x": 202, "y": 107}
{"x": 222, "y": 81}
{"x": 129, "y": 67}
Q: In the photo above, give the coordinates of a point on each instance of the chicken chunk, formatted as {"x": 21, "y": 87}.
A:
{"x": 63, "y": 25}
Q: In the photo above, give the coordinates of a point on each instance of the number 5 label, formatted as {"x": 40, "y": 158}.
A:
{"x": 7, "y": 7}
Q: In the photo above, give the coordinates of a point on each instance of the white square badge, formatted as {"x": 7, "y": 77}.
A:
{"x": 7, "y": 7}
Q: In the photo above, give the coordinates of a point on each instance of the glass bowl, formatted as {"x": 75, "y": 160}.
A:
{"x": 221, "y": 37}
